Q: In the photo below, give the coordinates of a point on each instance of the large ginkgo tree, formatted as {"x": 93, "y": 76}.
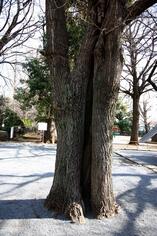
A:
{"x": 84, "y": 98}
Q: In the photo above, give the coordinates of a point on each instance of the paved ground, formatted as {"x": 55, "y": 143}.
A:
{"x": 144, "y": 154}
{"x": 26, "y": 173}
{"x": 145, "y": 158}
{"x": 122, "y": 142}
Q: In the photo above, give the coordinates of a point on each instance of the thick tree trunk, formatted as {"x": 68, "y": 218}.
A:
{"x": 69, "y": 104}
{"x": 65, "y": 194}
{"x": 108, "y": 67}
{"x": 84, "y": 102}
{"x": 135, "y": 121}
{"x": 84, "y": 150}
{"x": 72, "y": 170}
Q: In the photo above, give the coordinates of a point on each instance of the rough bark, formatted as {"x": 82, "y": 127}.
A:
{"x": 108, "y": 67}
{"x": 69, "y": 104}
{"x": 65, "y": 192}
{"x": 84, "y": 103}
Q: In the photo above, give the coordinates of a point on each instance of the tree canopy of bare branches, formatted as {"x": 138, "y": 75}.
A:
{"x": 17, "y": 25}
{"x": 144, "y": 112}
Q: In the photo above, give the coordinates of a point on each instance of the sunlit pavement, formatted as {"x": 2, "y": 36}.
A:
{"x": 146, "y": 158}
{"x": 26, "y": 174}
{"x": 143, "y": 154}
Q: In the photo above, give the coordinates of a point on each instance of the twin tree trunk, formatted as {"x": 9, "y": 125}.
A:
{"x": 84, "y": 103}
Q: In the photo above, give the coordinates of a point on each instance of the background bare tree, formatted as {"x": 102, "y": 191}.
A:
{"x": 17, "y": 25}
{"x": 144, "y": 112}
{"x": 139, "y": 43}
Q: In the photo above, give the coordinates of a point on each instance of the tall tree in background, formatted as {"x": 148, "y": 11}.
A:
{"x": 84, "y": 100}
{"x": 144, "y": 109}
{"x": 139, "y": 43}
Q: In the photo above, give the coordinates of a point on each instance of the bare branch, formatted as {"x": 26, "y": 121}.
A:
{"x": 7, "y": 18}
{"x": 150, "y": 76}
{"x": 17, "y": 24}
{"x": 126, "y": 92}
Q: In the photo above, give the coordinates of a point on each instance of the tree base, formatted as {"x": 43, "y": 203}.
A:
{"x": 75, "y": 213}
{"x": 108, "y": 213}
{"x": 74, "y": 210}
{"x": 134, "y": 143}
{"x": 51, "y": 204}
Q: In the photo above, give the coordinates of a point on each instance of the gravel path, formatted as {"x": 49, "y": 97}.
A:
{"x": 26, "y": 173}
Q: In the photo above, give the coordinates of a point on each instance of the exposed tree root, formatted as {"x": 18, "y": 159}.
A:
{"x": 75, "y": 213}
{"x": 105, "y": 213}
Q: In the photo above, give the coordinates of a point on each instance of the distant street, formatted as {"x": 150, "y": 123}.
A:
{"x": 26, "y": 174}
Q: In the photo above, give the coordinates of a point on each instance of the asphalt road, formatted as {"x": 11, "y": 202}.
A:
{"x": 26, "y": 175}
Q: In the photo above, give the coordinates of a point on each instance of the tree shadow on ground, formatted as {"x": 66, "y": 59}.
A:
{"x": 28, "y": 179}
{"x": 32, "y": 151}
{"x": 134, "y": 202}
{"x": 145, "y": 157}
{"x": 25, "y": 209}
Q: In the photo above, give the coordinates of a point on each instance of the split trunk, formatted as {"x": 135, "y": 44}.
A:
{"x": 84, "y": 103}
